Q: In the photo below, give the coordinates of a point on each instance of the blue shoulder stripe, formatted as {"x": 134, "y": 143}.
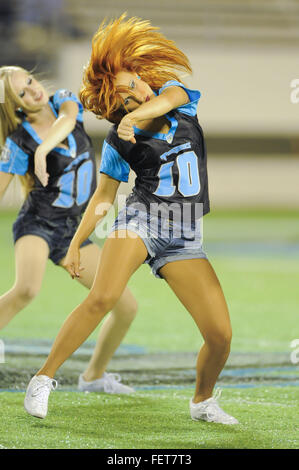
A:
{"x": 194, "y": 96}
{"x": 13, "y": 159}
{"x": 63, "y": 95}
{"x": 112, "y": 164}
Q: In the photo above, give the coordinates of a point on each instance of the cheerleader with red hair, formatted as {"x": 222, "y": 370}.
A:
{"x": 132, "y": 80}
{"x": 133, "y": 46}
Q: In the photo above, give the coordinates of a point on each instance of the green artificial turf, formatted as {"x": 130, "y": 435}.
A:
{"x": 151, "y": 420}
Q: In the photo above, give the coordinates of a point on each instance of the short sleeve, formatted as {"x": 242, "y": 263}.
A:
{"x": 63, "y": 95}
{"x": 194, "y": 96}
{"x": 112, "y": 164}
{"x": 13, "y": 159}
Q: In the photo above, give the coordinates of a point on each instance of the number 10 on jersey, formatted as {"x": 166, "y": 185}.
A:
{"x": 82, "y": 179}
{"x": 188, "y": 182}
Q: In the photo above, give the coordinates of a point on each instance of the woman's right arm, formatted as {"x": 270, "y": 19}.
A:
{"x": 100, "y": 203}
{"x": 5, "y": 179}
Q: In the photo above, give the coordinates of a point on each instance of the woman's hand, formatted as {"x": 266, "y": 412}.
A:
{"x": 40, "y": 165}
{"x": 125, "y": 129}
{"x": 71, "y": 261}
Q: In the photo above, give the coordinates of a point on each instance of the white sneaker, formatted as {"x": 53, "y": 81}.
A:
{"x": 37, "y": 394}
{"x": 210, "y": 411}
{"x": 108, "y": 383}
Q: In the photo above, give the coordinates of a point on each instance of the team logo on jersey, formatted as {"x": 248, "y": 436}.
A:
{"x": 64, "y": 94}
{"x": 5, "y": 154}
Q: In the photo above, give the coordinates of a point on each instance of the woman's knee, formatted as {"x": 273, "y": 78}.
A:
{"x": 100, "y": 302}
{"x": 126, "y": 309}
{"x": 220, "y": 341}
{"x": 25, "y": 293}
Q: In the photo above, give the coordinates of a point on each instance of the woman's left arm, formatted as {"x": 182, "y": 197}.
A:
{"x": 171, "y": 98}
{"x": 61, "y": 128}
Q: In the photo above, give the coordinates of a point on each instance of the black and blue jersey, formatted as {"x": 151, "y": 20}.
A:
{"x": 170, "y": 168}
{"x": 72, "y": 173}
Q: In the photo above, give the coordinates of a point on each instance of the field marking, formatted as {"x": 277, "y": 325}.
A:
{"x": 33, "y": 346}
{"x": 172, "y": 387}
{"x": 256, "y": 371}
{"x": 41, "y": 347}
{"x": 259, "y": 385}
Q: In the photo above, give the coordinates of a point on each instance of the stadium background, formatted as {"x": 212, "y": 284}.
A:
{"x": 244, "y": 56}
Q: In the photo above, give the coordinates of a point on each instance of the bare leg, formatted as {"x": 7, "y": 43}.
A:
{"x": 110, "y": 282}
{"x": 111, "y": 335}
{"x": 115, "y": 325}
{"x": 31, "y": 255}
{"x": 195, "y": 283}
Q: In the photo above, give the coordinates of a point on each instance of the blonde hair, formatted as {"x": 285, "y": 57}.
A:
{"x": 9, "y": 119}
{"x": 133, "y": 45}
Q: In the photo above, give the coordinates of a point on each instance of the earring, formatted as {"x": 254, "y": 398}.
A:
{"x": 20, "y": 113}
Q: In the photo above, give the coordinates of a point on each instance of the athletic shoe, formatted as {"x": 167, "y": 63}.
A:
{"x": 209, "y": 410}
{"x": 108, "y": 383}
{"x": 37, "y": 394}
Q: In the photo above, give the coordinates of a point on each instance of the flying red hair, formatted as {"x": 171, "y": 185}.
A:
{"x": 133, "y": 45}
